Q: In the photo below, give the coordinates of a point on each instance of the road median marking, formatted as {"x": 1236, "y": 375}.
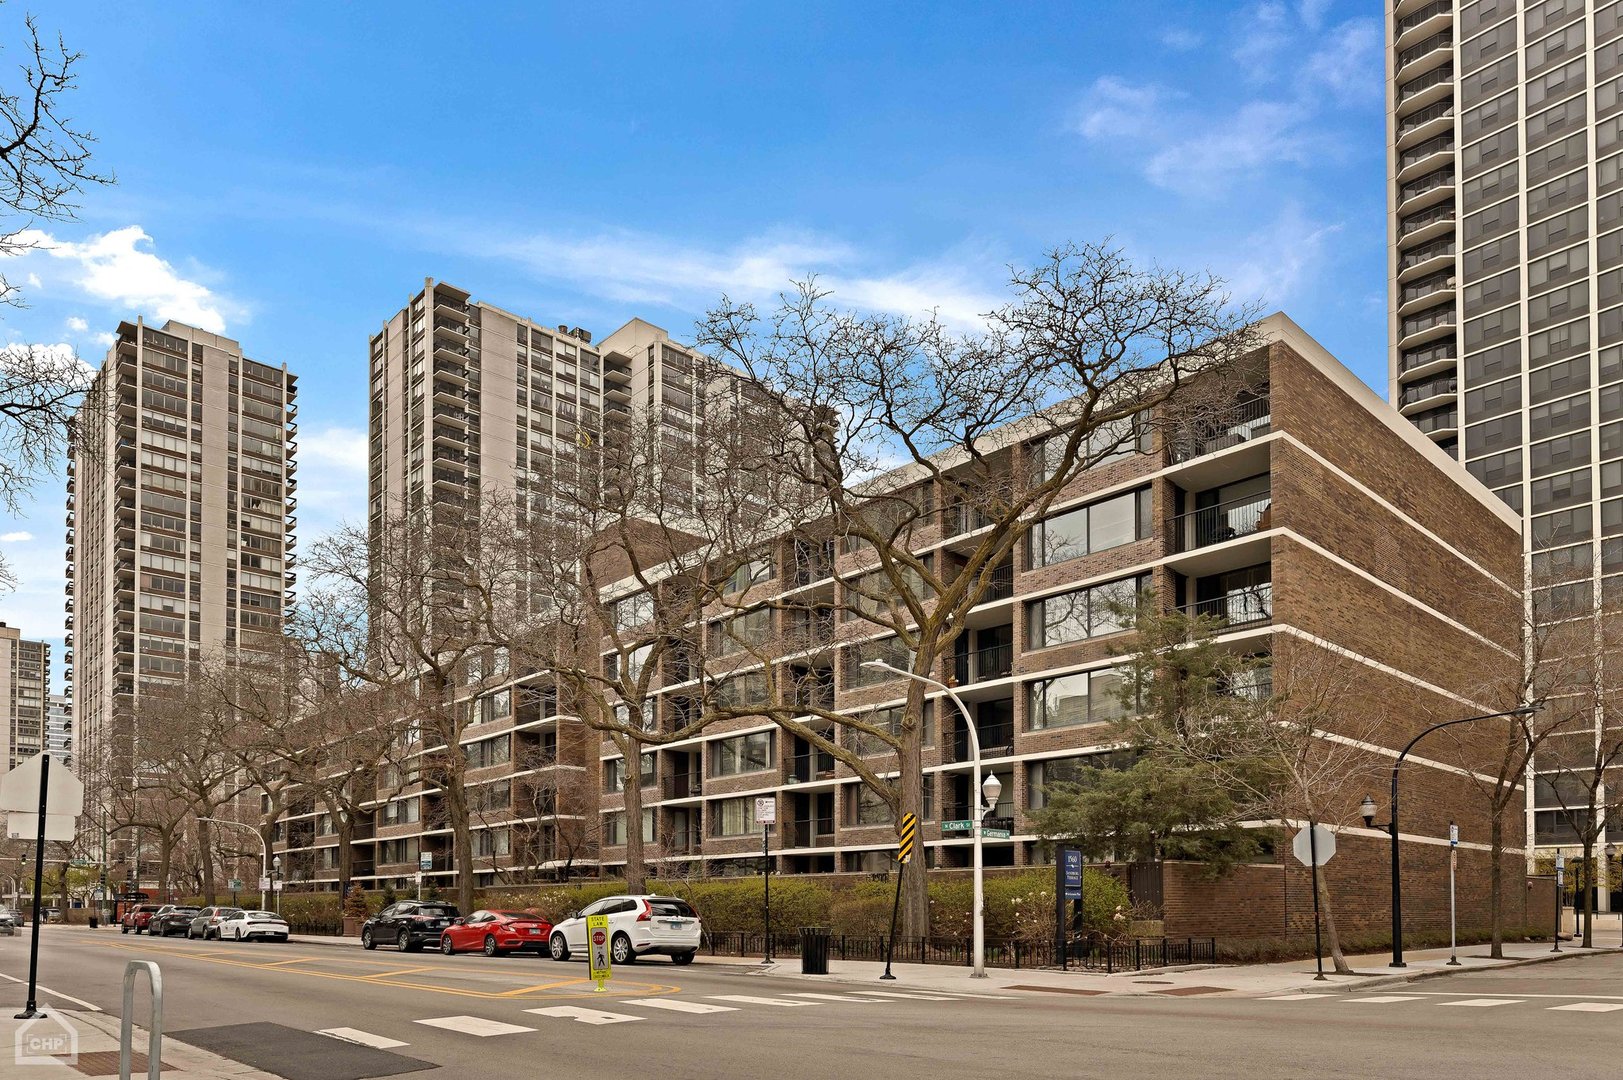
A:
{"x": 585, "y": 1016}
{"x": 401, "y": 971}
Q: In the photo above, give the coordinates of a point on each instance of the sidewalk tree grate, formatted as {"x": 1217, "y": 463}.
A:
{"x": 105, "y": 1063}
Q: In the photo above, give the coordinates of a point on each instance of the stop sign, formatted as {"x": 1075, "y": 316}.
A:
{"x": 599, "y": 937}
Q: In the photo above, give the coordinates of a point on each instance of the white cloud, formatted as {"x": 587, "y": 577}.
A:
{"x": 639, "y": 268}
{"x": 1260, "y": 134}
{"x": 1348, "y": 64}
{"x": 1181, "y": 39}
{"x": 332, "y": 478}
{"x": 77, "y": 325}
{"x": 120, "y": 268}
{"x": 1284, "y": 258}
{"x": 18, "y": 537}
{"x": 1114, "y": 108}
{"x": 340, "y": 449}
{"x": 105, "y": 339}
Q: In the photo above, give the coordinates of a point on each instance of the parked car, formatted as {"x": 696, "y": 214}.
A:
{"x": 137, "y": 917}
{"x": 10, "y": 920}
{"x": 175, "y": 919}
{"x": 247, "y": 925}
{"x": 497, "y": 933}
{"x": 206, "y": 923}
{"x": 638, "y": 926}
{"x": 408, "y": 925}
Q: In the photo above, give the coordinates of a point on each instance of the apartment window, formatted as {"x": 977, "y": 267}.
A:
{"x": 742, "y": 754}
{"x": 1553, "y": 49}
{"x": 1492, "y": 257}
{"x": 1556, "y": 121}
{"x": 1565, "y": 527}
{"x": 634, "y": 611}
{"x": 614, "y": 827}
{"x": 1488, "y": 116}
{"x": 1558, "y": 417}
{"x": 1500, "y": 397}
{"x": 1562, "y": 266}
{"x": 1566, "y": 452}
{"x": 1494, "y": 221}
{"x": 1088, "y": 529}
{"x": 1566, "y": 79}
{"x": 1556, "y": 492}
{"x": 1561, "y": 304}
{"x": 1085, "y": 613}
{"x": 1557, "y": 158}
{"x": 1497, "y": 469}
{"x": 614, "y": 772}
{"x": 1491, "y": 363}
{"x": 732, "y": 817}
{"x": 751, "y": 572}
{"x": 1087, "y": 697}
{"x": 1558, "y": 342}
{"x": 1042, "y": 775}
{"x": 748, "y": 630}
{"x": 1562, "y": 194}
{"x": 488, "y": 752}
{"x": 1558, "y": 231}
{"x": 400, "y": 812}
{"x": 868, "y": 807}
{"x": 1492, "y": 329}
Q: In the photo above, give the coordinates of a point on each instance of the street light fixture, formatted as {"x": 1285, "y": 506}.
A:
{"x": 989, "y": 789}
{"x": 1367, "y": 808}
{"x": 264, "y": 847}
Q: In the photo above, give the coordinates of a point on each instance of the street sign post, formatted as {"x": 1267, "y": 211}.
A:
{"x": 1560, "y": 889}
{"x": 766, "y": 815}
{"x": 1067, "y": 890}
{"x": 905, "y": 839}
{"x": 1313, "y": 847}
{"x": 28, "y": 788}
{"x": 597, "y": 950}
{"x": 1453, "y": 867}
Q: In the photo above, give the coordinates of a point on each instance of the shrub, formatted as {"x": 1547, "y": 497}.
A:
{"x": 863, "y": 910}
{"x": 355, "y": 906}
{"x": 736, "y": 905}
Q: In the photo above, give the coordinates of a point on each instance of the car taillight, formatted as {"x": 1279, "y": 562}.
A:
{"x": 647, "y": 912}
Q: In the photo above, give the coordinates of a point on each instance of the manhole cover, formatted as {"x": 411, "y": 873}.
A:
{"x": 105, "y": 1063}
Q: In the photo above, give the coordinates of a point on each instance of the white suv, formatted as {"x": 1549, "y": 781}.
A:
{"x": 638, "y": 926}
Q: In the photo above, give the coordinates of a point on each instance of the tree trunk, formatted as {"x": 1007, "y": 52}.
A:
{"x": 910, "y": 761}
{"x": 636, "y": 859}
{"x": 1585, "y": 885}
{"x": 1328, "y": 917}
{"x": 456, "y": 808}
{"x": 166, "y": 849}
{"x": 346, "y": 851}
{"x": 1496, "y": 878}
{"x": 206, "y": 855}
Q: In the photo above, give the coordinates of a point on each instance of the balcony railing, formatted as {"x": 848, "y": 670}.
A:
{"x": 1226, "y": 521}
{"x": 994, "y": 662}
{"x": 1420, "y": 15}
{"x": 1243, "y": 607}
{"x": 812, "y": 832}
{"x": 683, "y": 786}
{"x": 1001, "y": 585}
{"x": 1416, "y": 87}
{"x": 1431, "y": 388}
{"x": 1431, "y": 249}
{"x": 1242, "y": 423}
{"x": 809, "y": 767}
{"x": 1446, "y": 349}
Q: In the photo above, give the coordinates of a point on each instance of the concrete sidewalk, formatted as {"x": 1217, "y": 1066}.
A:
{"x": 66, "y": 1035}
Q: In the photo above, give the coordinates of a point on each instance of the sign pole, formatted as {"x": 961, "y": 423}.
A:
{"x": 1453, "y": 867}
{"x": 904, "y": 852}
{"x": 766, "y": 891}
{"x": 31, "y": 1010}
{"x": 1313, "y": 853}
{"x": 1560, "y": 887}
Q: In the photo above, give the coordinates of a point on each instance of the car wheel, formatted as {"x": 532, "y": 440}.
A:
{"x": 366, "y": 940}
{"x": 445, "y": 945}
{"x": 682, "y": 958}
{"x": 406, "y": 944}
{"x": 123, "y": 929}
{"x": 559, "y": 947}
{"x": 188, "y": 933}
{"x": 238, "y": 933}
{"x": 620, "y": 950}
{"x": 490, "y": 947}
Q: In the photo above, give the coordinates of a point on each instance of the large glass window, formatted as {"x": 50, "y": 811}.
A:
{"x": 1087, "y": 529}
{"x": 1087, "y": 697}
{"x": 1085, "y": 613}
{"x": 742, "y": 754}
{"x": 732, "y": 817}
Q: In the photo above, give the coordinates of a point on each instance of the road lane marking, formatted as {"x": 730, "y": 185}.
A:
{"x": 748, "y": 1000}
{"x": 401, "y": 971}
{"x": 1481, "y": 1003}
{"x": 843, "y": 999}
{"x": 56, "y": 993}
{"x": 1381, "y": 999}
{"x": 543, "y": 986}
{"x": 584, "y": 1016}
{"x": 902, "y": 997}
{"x": 473, "y": 1025}
{"x": 1301, "y": 997}
{"x": 1587, "y": 1006}
{"x": 1552, "y": 997}
{"x": 282, "y": 963}
{"x": 363, "y": 1038}
{"x": 676, "y": 1005}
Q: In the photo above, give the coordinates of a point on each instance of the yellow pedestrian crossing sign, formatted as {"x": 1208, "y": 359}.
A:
{"x": 910, "y": 832}
{"x": 597, "y": 949}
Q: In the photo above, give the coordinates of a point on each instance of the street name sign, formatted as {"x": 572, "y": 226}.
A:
{"x": 963, "y": 825}
{"x": 995, "y": 834}
{"x": 1303, "y": 845}
{"x": 597, "y": 950}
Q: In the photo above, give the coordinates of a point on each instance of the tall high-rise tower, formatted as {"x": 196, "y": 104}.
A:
{"x": 180, "y": 519}
{"x": 25, "y": 673}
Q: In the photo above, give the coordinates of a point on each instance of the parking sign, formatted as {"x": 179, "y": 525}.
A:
{"x": 597, "y": 949}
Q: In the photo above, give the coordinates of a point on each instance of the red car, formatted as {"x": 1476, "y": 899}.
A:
{"x": 496, "y": 933}
{"x": 138, "y": 917}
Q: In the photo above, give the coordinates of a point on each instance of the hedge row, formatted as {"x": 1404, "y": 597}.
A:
{"x": 1018, "y": 906}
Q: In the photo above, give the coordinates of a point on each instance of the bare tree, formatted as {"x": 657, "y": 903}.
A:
{"x": 992, "y": 426}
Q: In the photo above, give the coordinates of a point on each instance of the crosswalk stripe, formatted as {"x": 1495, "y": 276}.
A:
{"x": 1482, "y": 1003}
{"x": 1587, "y": 1006}
{"x": 748, "y": 1000}
{"x": 677, "y": 1005}
{"x": 902, "y": 997}
{"x": 843, "y": 999}
{"x": 1380, "y": 999}
{"x": 1300, "y": 997}
{"x": 364, "y": 1038}
{"x": 584, "y": 1016}
{"x": 473, "y": 1025}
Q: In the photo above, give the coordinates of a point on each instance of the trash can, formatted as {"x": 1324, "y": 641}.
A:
{"x": 814, "y": 949}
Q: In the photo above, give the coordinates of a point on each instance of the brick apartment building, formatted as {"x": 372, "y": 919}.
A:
{"x": 1311, "y": 509}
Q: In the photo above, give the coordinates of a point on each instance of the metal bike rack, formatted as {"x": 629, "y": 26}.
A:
{"x": 154, "y": 1026}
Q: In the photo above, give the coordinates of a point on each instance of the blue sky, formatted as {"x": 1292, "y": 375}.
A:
{"x": 289, "y": 173}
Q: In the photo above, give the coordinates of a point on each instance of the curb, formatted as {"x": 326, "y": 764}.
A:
{"x": 1436, "y": 973}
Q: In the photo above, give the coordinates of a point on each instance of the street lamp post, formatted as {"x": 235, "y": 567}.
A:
{"x": 264, "y": 847}
{"x": 989, "y": 789}
{"x": 1367, "y": 808}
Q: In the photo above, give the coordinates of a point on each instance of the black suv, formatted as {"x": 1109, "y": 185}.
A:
{"x": 408, "y": 925}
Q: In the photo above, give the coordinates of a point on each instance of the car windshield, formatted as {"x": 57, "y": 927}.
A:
{"x": 264, "y": 915}
{"x": 525, "y": 915}
{"x": 436, "y": 910}
{"x": 670, "y": 908}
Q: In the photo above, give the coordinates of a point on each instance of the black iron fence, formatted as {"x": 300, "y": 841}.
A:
{"x": 1119, "y": 954}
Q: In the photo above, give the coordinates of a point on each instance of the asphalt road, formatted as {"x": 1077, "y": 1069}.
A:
{"x": 265, "y": 1004}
